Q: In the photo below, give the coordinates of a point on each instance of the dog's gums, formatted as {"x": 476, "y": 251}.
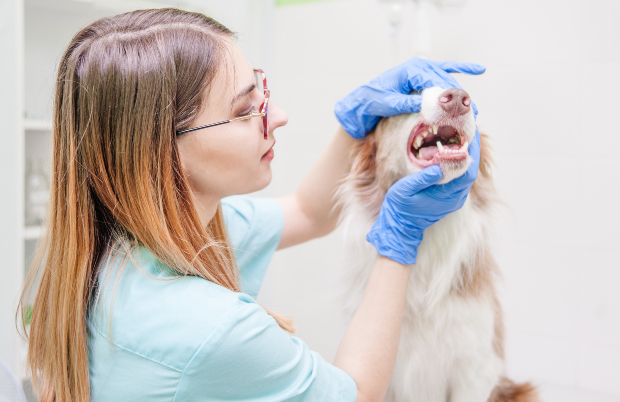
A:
{"x": 431, "y": 144}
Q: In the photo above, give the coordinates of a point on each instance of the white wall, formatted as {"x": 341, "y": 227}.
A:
{"x": 548, "y": 100}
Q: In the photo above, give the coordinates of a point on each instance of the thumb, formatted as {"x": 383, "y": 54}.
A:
{"x": 412, "y": 184}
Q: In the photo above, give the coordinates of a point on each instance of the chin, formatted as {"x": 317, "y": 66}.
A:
{"x": 263, "y": 180}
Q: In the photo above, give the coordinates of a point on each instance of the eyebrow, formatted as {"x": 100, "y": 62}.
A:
{"x": 243, "y": 93}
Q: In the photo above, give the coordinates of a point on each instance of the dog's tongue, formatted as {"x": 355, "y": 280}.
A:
{"x": 428, "y": 153}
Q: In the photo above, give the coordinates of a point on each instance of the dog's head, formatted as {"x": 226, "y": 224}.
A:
{"x": 405, "y": 144}
{"x": 439, "y": 135}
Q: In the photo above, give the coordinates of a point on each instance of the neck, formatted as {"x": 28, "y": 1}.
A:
{"x": 206, "y": 206}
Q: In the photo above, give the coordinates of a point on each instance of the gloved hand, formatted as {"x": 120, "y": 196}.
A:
{"x": 388, "y": 94}
{"x": 414, "y": 203}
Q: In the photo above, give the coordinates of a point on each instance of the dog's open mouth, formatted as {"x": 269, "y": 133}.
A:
{"x": 431, "y": 144}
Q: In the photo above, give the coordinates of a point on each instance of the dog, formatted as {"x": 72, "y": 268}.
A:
{"x": 451, "y": 346}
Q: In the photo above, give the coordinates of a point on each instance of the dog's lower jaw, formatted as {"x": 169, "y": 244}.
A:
{"x": 453, "y": 169}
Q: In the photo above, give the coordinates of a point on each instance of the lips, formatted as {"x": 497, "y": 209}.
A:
{"x": 431, "y": 144}
{"x": 269, "y": 154}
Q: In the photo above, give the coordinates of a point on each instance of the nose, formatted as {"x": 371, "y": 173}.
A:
{"x": 455, "y": 101}
{"x": 277, "y": 117}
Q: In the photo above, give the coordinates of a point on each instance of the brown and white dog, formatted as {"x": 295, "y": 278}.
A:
{"x": 451, "y": 346}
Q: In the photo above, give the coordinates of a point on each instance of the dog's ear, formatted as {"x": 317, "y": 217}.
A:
{"x": 363, "y": 176}
{"x": 365, "y": 163}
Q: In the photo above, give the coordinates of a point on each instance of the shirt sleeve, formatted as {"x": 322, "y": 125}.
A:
{"x": 255, "y": 227}
{"x": 250, "y": 358}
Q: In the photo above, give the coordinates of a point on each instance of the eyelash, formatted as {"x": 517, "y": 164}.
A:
{"x": 249, "y": 112}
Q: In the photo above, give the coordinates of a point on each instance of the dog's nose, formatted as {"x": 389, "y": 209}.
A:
{"x": 455, "y": 101}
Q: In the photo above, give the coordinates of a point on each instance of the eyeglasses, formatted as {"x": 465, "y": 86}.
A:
{"x": 261, "y": 84}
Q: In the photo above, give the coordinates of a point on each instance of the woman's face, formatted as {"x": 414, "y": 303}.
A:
{"x": 231, "y": 158}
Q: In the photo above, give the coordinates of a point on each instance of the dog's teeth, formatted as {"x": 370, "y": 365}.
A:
{"x": 464, "y": 147}
{"x": 435, "y": 128}
{"x": 440, "y": 147}
{"x": 418, "y": 142}
{"x": 419, "y": 155}
{"x": 424, "y": 134}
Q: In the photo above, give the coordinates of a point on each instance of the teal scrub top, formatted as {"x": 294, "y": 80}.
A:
{"x": 188, "y": 339}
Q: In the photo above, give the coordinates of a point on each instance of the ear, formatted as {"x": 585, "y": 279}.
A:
{"x": 363, "y": 177}
{"x": 365, "y": 163}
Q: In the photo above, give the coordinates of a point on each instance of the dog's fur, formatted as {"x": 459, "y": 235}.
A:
{"x": 451, "y": 347}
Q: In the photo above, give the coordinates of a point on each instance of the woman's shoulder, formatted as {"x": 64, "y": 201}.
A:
{"x": 158, "y": 315}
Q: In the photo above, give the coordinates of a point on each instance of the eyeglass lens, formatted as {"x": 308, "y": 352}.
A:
{"x": 258, "y": 79}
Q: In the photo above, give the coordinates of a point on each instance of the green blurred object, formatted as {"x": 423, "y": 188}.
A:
{"x": 288, "y": 2}
{"x": 28, "y": 315}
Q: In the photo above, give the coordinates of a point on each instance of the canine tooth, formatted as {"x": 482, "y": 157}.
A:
{"x": 464, "y": 147}
{"x": 418, "y": 142}
{"x": 440, "y": 147}
{"x": 435, "y": 128}
{"x": 424, "y": 134}
{"x": 419, "y": 156}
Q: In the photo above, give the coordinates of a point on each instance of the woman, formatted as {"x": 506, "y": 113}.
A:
{"x": 158, "y": 117}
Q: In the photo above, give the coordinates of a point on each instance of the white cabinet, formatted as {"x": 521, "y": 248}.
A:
{"x": 11, "y": 182}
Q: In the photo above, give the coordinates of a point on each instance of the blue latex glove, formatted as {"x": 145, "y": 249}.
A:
{"x": 414, "y": 203}
{"x": 388, "y": 94}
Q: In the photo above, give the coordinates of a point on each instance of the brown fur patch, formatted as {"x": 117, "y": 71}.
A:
{"x": 508, "y": 391}
{"x": 363, "y": 175}
{"x": 478, "y": 281}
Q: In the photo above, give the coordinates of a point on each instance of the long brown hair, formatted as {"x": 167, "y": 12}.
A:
{"x": 125, "y": 85}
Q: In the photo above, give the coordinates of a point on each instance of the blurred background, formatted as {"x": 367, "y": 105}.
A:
{"x": 548, "y": 102}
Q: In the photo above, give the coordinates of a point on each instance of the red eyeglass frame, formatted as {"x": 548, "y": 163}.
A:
{"x": 263, "y": 111}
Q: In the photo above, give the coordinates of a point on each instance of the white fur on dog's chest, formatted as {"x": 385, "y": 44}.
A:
{"x": 441, "y": 329}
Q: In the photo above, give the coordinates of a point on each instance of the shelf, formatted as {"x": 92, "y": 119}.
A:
{"x": 37, "y": 125}
{"x": 32, "y": 232}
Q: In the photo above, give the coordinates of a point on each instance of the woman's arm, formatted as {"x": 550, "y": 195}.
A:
{"x": 367, "y": 351}
{"x": 309, "y": 212}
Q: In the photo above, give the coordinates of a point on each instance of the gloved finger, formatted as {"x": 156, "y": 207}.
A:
{"x": 412, "y": 184}
{"x": 395, "y": 103}
{"x": 472, "y": 172}
{"x": 465, "y": 68}
{"x": 433, "y": 76}
{"x": 474, "y": 147}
